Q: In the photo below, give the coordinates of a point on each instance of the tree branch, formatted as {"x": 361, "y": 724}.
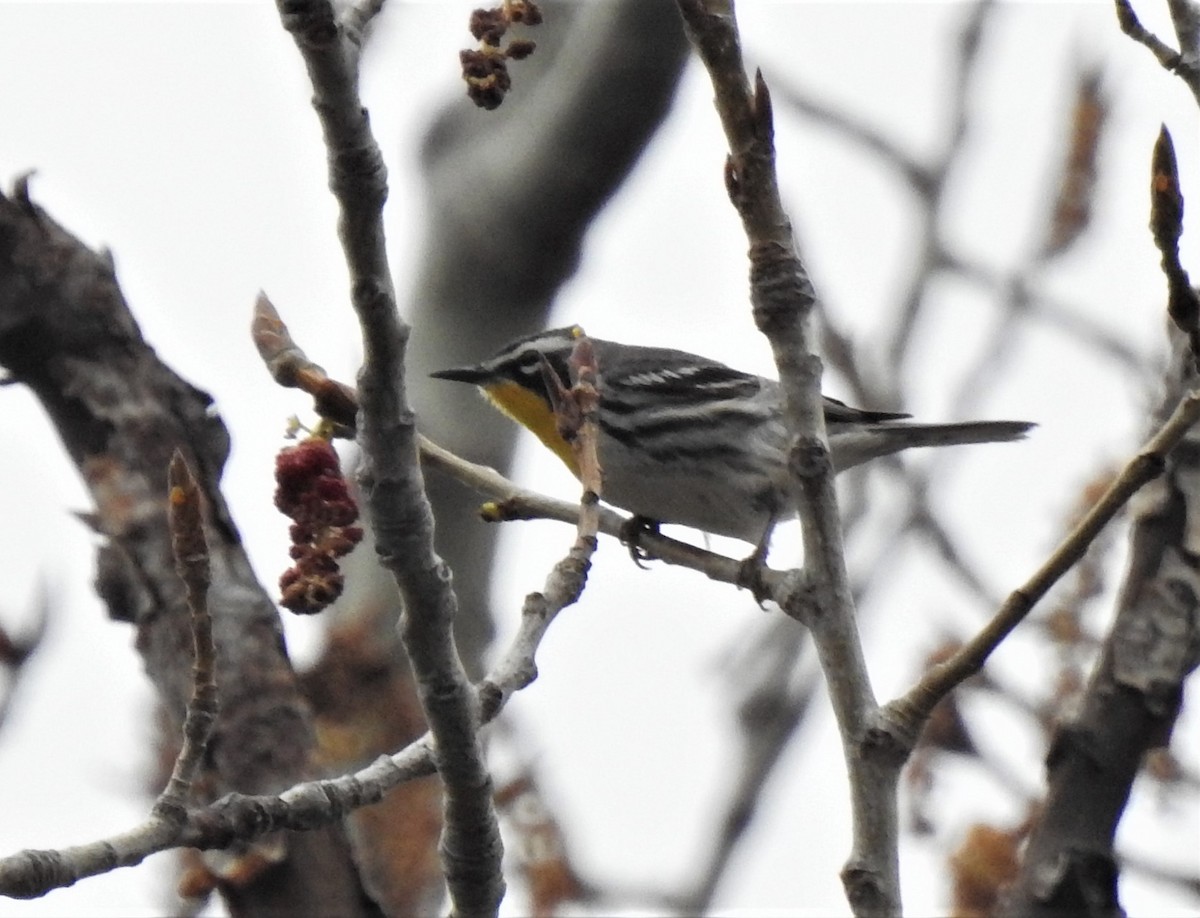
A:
{"x": 910, "y": 711}
{"x": 1136, "y": 689}
{"x": 67, "y": 333}
{"x": 242, "y": 818}
{"x": 33, "y": 873}
{"x": 783, "y": 300}
{"x": 1186, "y": 65}
{"x": 192, "y": 563}
{"x": 390, "y": 475}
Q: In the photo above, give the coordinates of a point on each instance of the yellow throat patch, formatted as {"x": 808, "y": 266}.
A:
{"x": 534, "y": 414}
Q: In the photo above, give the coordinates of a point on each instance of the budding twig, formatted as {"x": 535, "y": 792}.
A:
{"x": 186, "y": 520}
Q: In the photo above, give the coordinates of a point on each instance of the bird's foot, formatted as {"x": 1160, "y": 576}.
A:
{"x": 633, "y": 530}
{"x": 750, "y": 571}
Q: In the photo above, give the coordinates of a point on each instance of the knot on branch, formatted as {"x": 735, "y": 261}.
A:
{"x": 809, "y": 458}
{"x": 490, "y": 700}
{"x": 893, "y": 734}
{"x": 780, "y": 289}
{"x": 170, "y": 811}
{"x": 33, "y": 873}
{"x": 1076, "y": 881}
{"x": 1157, "y": 648}
{"x": 234, "y": 818}
{"x": 372, "y": 297}
{"x": 866, "y": 889}
{"x": 358, "y": 171}
{"x": 309, "y": 22}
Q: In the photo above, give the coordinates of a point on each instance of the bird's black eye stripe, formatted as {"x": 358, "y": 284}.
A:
{"x": 529, "y": 365}
{"x": 526, "y": 369}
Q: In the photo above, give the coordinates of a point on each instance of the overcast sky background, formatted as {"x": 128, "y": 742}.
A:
{"x": 180, "y": 135}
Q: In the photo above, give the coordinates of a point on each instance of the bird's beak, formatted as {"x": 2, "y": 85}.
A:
{"x": 475, "y": 375}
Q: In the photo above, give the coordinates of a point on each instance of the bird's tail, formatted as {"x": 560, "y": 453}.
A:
{"x": 855, "y": 444}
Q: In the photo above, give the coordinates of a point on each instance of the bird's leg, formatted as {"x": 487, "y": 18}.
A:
{"x": 750, "y": 571}
{"x": 632, "y": 532}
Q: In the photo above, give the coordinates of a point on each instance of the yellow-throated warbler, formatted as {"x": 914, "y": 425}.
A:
{"x": 684, "y": 439}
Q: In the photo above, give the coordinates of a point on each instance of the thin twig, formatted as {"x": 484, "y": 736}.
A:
{"x": 29, "y": 874}
{"x": 192, "y": 562}
{"x": 512, "y": 502}
{"x": 566, "y": 581}
{"x": 1187, "y": 68}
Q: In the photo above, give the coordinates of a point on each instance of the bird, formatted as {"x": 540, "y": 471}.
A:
{"x": 688, "y": 440}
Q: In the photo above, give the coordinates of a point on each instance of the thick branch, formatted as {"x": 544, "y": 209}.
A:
{"x": 67, "y": 333}
{"x": 1135, "y": 692}
{"x": 1130, "y": 704}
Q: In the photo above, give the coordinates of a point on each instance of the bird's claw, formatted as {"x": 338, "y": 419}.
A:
{"x": 750, "y": 571}
{"x": 633, "y": 530}
{"x": 750, "y": 577}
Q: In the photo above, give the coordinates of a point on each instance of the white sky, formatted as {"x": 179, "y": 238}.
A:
{"x": 180, "y": 135}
